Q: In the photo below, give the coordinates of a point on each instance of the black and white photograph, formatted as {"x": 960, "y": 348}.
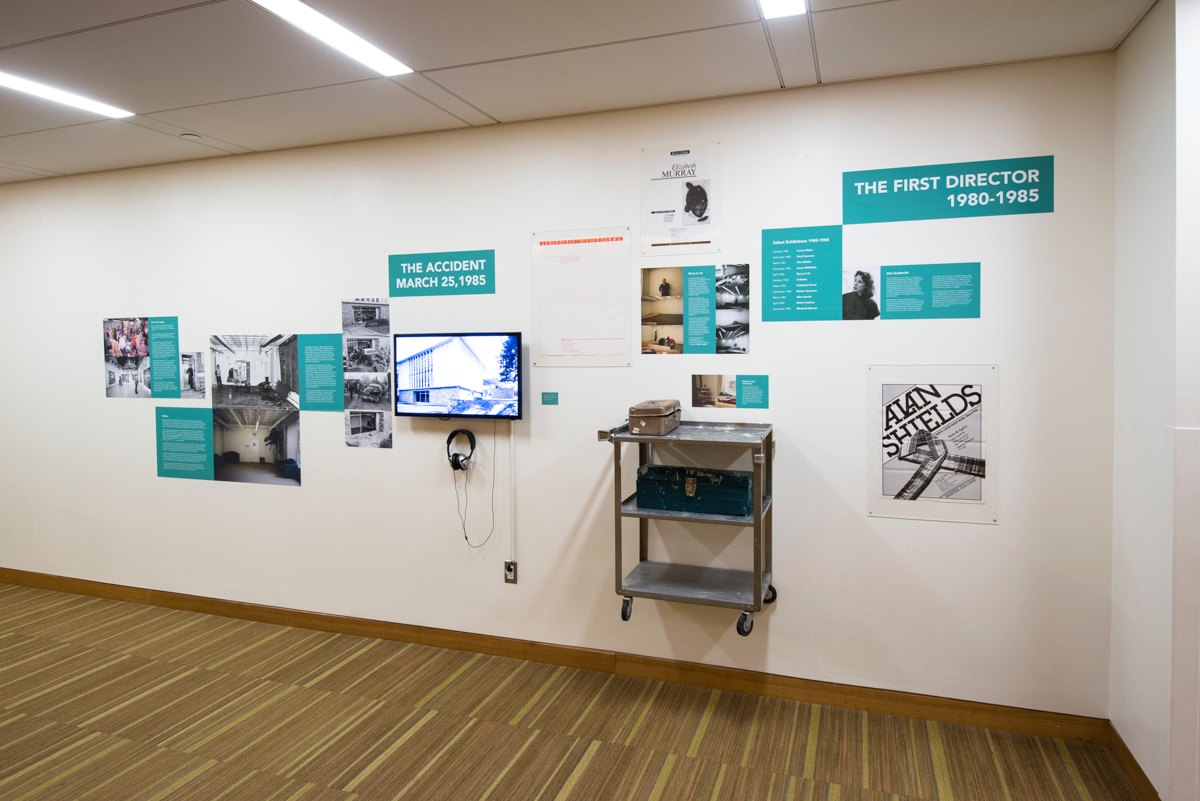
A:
{"x": 859, "y": 295}
{"x": 733, "y": 286}
{"x": 192, "y": 375}
{"x": 367, "y": 390}
{"x": 255, "y": 371}
{"x": 255, "y": 396}
{"x": 127, "y": 357}
{"x": 256, "y": 446}
{"x": 367, "y": 377}
{"x": 366, "y": 317}
{"x": 369, "y": 428}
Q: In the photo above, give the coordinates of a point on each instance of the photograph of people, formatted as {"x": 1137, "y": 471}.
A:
{"x": 662, "y": 311}
{"x": 192, "y": 375}
{"x": 127, "y": 357}
{"x": 858, "y": 303}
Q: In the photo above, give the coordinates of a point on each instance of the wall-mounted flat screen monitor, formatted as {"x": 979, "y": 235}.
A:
{"x": 459, "y": 375}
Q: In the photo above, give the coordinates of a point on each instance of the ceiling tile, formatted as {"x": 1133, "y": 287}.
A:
{"x": 201, "y": 55}
{"x": 27, "y": 20}
{"x": 107, "y": 145}
{"x": 906, "y": 36}
{"x": 363, "y": 110}
{"x": 721, "y": 61}
{"x": 206, "y": 140}
{"x": 793, "y": 50}
{"x": 448, "y": 33}
{"x": 442, "y": 98}
{"x": 21, "y": 113}
{"x": 10, "y": 175}
{"x": 826, "y": 5}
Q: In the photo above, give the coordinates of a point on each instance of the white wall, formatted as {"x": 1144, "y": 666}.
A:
{"x": 1144, "y": 368}
{"x": 1185, "y": 679}
{"x": 1016, "y": 613}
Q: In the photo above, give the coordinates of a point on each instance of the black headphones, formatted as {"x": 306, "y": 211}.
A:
{"x": 460, "y": 461}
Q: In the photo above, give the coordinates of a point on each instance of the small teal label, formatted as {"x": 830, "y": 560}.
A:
{"x": 929, "y": 291}
{"x": 163, "y": 344}
{"x": 940, "y": 191}
{"x": 549, "y": 398}
{"x": 753, "y": 391}
{"x": 185, "y": 442}
{"x": 465, "y": 272}
{"x": 321, "y": 387}
{"x": 700, "y": 309}
{"x": 802, "y": 273}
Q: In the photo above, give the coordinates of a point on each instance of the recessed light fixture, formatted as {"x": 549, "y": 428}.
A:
{"x": 319, "y": 26}
{"x": 191, "y": 137}
{"x": 774, "y": 9}
{"x": 62, "y": 96}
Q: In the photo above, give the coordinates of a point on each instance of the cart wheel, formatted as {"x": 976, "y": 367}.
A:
{"x": 745, "y": 624}
{"x": 771, "y": 594}
{"x": 626, "y": 608}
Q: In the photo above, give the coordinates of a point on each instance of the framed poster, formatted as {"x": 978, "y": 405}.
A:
{"x": 931, "y": 442}
{"x": 580, "y": 298}
{"x": 681, "y": 199}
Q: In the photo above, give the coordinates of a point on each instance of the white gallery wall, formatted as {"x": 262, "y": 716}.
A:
{"x": 1144, "y": 364}
{"x": 1015, "y": 613}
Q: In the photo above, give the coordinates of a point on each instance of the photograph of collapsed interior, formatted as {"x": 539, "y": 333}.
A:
{"x": 369, "y": 428}
{"x": 256, "y": 446}
{"x": 255, "y": 371}
{"x": 126, "y": 357}
{"x": 192, "y": 377}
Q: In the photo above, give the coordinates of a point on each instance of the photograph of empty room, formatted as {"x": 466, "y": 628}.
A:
{"x": 256, "y": 446}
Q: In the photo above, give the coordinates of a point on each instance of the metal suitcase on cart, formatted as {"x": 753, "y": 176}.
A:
{"x": 654, "y": 417}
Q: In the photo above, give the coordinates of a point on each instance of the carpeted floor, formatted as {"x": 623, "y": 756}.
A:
{"x": 114, "y": 701}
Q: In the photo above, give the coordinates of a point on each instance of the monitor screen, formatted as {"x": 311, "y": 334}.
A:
{"x": 459, "y": 375}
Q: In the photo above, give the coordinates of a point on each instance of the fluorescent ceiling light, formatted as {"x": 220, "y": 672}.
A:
{"x": 773, "y": 9}
{"x": 61, "y": 96}
{"x": 319, "y": 26}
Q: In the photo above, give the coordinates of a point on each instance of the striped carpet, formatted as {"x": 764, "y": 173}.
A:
{"x": 108, "y": 700}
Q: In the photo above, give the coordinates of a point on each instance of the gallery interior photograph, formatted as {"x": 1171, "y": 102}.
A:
{"x": 842, "y": 440}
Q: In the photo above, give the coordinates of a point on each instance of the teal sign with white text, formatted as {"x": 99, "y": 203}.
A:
{"x": 163, "y": 342}
{"x": 941, "y": 191}
{"x": 753, "y": 391}
{"x": 321, "y": 376}
{"x": 464, "y": 272}
{"x": 929, "y": 291}
{"x": 184, "y": 438}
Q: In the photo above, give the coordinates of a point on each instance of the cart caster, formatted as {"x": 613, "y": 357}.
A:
{"x": 626, "y": 608}
{"x": 745, "y": 624}
{"x": 771, "y": 594}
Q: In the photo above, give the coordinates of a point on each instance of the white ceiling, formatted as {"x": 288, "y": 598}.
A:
{"x": 245, "y": 81}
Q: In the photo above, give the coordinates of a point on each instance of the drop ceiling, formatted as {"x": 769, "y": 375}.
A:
{"x": 244, "y": 81}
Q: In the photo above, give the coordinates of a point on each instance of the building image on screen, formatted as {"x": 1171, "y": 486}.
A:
{"x": 458, "y": 375}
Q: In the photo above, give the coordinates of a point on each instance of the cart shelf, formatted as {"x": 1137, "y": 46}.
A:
{"x": 747, "y": 590}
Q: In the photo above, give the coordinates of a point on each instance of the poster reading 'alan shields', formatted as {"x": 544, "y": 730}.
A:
{"x": 931, "y": 443}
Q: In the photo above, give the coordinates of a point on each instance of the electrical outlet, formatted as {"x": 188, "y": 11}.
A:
{"x": 510, "y": 572}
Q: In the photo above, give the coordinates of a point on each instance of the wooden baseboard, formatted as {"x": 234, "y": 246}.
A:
{"x": 890, "y": 702}
{"x": 1133, "y": 771}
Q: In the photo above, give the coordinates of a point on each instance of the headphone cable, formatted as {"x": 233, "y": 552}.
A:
{"x": 463, "y": 505}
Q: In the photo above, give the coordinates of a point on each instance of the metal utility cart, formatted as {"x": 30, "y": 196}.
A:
{"x": 747, "y": 590}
